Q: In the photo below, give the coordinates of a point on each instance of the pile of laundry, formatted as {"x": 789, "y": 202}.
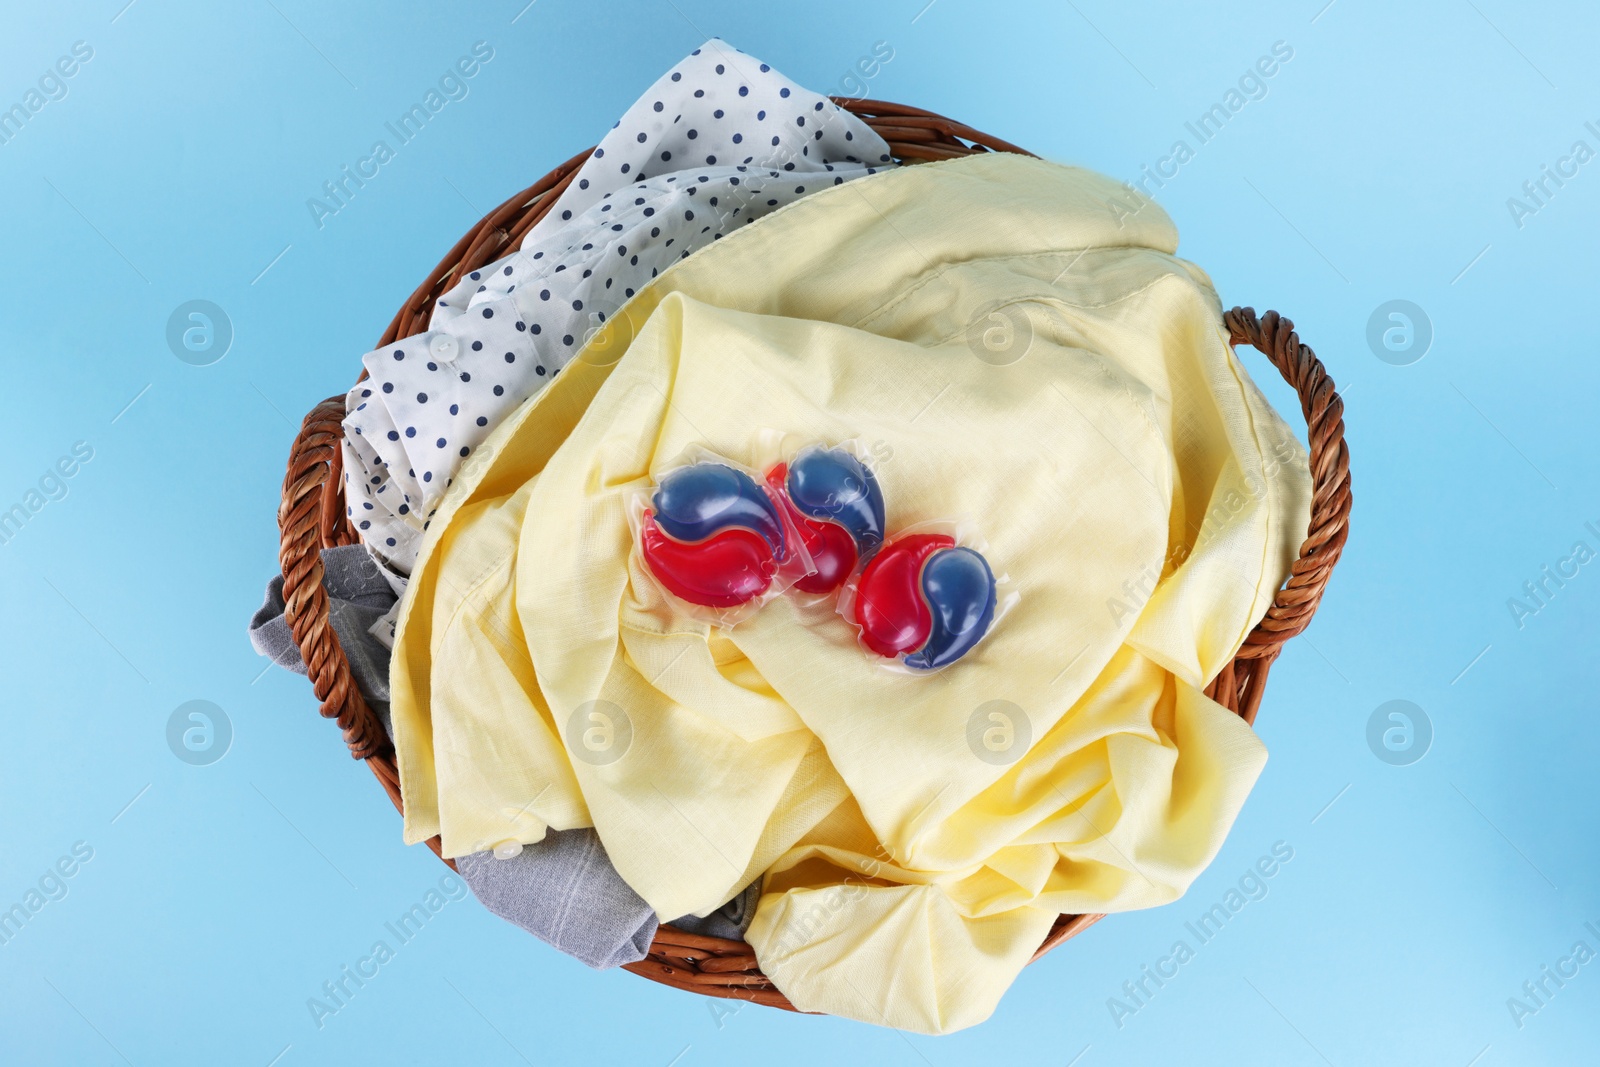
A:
{"x": 741, "y": 262}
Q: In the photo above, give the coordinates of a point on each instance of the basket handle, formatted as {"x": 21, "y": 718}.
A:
{"x": 310, "y": 518}
{"x": 1243, "y": 680}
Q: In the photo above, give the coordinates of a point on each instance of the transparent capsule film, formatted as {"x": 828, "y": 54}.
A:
{"x": 928, "y": 598}
{"x": 833, "y": 497}
{"x": 715, "y": 539}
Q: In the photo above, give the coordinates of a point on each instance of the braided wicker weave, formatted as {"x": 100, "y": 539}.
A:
{"x": 312, "y": 517}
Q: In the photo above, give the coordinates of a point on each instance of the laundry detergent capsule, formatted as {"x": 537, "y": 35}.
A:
{"x": 925, "y": 600}
{"x": 712, "y": 536}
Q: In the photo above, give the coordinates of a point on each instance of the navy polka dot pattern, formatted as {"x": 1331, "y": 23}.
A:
{"x": 719, "y": 141}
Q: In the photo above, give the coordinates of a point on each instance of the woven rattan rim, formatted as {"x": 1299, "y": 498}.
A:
{"x": 312, "y": 517}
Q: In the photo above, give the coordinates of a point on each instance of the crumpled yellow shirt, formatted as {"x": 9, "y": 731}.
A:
{"x": 1016, "y": 351}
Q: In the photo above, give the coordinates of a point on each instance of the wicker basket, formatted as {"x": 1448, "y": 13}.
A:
{"x": 312, "y": 517}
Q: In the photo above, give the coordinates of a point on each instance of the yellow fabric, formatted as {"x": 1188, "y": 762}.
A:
{"x": 1125, "y": 472}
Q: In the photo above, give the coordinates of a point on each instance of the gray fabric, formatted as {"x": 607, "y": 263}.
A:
{"x": 358, "y": 596}
{"x": 562, "y": 890}
{"x": 729, "y": 921}
{"x": 565, "y": 892}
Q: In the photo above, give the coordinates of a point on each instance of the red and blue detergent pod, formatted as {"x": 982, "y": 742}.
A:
{"x": 836, "y": 504}
{"x": 831, "y": 548}
{"x": 926, "y": 600}
{"x": 712, "y": 537}
{"x": 831, "y": 485}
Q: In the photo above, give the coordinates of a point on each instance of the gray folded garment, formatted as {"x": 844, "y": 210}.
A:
{"x": 563, "y": 890}
{"x": 358, "y": 596}
{"x": 729, "y": 921}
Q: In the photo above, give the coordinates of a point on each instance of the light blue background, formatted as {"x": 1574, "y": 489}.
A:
{"x": 1377, "y": 167}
